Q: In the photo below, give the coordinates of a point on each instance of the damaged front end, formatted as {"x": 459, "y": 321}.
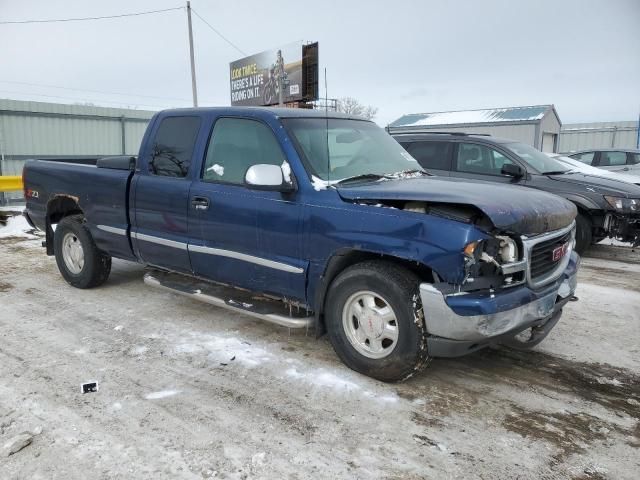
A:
{"x": 624, "y": 223}
{"x": 512, "y": 285}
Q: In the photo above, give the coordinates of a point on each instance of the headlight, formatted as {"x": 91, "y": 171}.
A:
{"x": 623, "y": 204}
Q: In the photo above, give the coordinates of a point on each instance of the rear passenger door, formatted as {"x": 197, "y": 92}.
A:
{"x": 159, "y": 218}
{"x": 480, "y": 162}
{"x": 434, "y": 157}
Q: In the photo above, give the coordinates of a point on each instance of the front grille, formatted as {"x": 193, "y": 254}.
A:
{"x": 541, "y": 261}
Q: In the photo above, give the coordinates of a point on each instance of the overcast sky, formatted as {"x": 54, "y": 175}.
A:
{"x": 401, "y": 56}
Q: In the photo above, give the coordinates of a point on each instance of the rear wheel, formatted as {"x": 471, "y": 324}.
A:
{"x": 79, "y": 260}
{"x": 584, "y": 233}
{"x": 375, "y": 321}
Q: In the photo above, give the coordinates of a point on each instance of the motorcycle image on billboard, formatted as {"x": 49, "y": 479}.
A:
{"x": 255, "y": 79}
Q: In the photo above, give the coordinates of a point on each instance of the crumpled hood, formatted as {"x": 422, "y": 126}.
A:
{"x": 513, "y": 209}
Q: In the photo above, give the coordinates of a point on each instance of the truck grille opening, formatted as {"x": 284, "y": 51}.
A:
{"x": 542, "y": 261}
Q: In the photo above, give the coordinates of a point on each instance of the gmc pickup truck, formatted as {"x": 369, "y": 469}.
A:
{"x": 308, "y": 219}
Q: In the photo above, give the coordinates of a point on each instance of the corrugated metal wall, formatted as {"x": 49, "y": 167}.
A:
{"x": 518, "y": 133}
{"x": 580, "y": 136}
{"x": 38, "y": 129}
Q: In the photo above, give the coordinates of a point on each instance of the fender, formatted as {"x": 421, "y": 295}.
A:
{"x": 339, "y": 261}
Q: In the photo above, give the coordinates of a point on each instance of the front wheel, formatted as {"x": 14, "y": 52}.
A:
{"x": 584, "y": 233}
{"x": 375, "y": 321}
{"x": 79, "y": 260}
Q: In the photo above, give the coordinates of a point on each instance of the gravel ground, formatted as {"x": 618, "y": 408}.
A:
{"x": 187, "y": 390}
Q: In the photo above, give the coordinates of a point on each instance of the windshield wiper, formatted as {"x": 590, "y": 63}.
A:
{"x": 556, "y": 172}
{"x": 364, "y": 176}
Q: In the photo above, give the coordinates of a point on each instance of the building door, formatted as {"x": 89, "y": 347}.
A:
{"x": 549, "y": 142}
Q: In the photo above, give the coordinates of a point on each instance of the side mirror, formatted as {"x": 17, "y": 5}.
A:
{"x": 512, "y": 170}
{"x": 267, "y": 177}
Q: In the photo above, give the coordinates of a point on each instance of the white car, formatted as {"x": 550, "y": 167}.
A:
{"x": 578, "y": 166}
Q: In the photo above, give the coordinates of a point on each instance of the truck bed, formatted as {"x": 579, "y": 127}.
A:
{"x": 101, "y": 191}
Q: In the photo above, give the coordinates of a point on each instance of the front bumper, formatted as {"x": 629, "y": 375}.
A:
{"x": 461, "y": 323}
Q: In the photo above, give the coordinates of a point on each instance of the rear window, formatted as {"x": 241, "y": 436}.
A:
{"x": 611, "y": 159}
{"x": 173, "y": 146}
{"x": 431, "y": 155}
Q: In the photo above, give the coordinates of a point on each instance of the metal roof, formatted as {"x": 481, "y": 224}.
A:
{"x": 527, "y": 114}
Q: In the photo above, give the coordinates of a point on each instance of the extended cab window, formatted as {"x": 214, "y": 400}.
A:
{"x": 608, "y": 159}
{"x": 432, "y": 155}
{"x": 473, "y": 158}
{"x": 235, "y": 145}
{"x": 173, "y": 146}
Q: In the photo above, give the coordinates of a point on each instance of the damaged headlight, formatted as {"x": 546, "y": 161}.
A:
{"x": 486, "y": 262}
{"x": 623, "y": 204}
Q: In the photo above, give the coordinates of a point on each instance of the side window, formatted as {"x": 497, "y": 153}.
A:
{"x": 634, "y": 158}
{"x": 235, "y": 145}
{"x": 608, "y": 159}
{"x": 586, "y": 157}
{"x": 173, "y": 146}
{"x": 431, "y": 155}
{"x": 473, "y": 158}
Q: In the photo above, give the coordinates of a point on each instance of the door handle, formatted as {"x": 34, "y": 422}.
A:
{"x": 200, "y": 203}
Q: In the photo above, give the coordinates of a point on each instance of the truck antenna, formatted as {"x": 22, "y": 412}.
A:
{"x": 326, "y": 118}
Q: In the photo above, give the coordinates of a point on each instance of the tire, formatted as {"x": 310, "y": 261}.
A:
{"x": 83, "y": 267}
{"x": 583, "y": 233}
{"x": 390, "y": 286}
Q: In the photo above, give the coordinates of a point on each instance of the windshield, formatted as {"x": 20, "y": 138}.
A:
{"x": 349, "y": 148}
{"x": 536, "y": 159}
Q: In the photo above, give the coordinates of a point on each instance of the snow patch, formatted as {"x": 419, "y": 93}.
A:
{"x": 286, "y": 171}
{"x": 161, "y": 394}
{"x": 609, "y": 381}
{"x": 319, "y": 184}
{"x": 217, "y": 169}
{"x": 17, "y": 227}
{"x": 118, "y": 328}
{"x": 221, "y": 349}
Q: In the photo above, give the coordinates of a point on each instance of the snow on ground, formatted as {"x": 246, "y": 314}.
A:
{"x": 17, "y": 226}
{"x": 189, "y": 391}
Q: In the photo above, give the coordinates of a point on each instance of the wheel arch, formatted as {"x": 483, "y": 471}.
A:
{"x": 59, "y": 207}
{"x": 345, "y": 258}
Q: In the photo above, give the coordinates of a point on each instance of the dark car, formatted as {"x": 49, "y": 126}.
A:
{"x": 613, "y": 159}
{"x": 606, "y": 207}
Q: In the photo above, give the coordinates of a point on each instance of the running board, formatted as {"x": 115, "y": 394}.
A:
{"x": 274, "y": 311}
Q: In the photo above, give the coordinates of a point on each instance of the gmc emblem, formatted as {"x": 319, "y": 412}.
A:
{"x": 560, "y": 252}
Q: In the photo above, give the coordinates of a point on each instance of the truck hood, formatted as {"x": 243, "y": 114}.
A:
{"x": 597, "y": 184}
{"x": 512, "y": 209}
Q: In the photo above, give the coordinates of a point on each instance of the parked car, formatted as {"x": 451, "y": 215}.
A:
{"x": 606, "y": 207}
{"x": 613, "y": 159}
{"x": 578, "y": 166}
{"x": 307, "y": 220}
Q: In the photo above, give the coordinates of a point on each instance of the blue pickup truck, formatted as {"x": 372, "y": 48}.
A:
{"x": 312, "y": 219}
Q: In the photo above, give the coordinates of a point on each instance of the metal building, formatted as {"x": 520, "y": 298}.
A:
{"x": 51, "y": 130}
{"x": 582, "y": 136}
{"x": 537, "y": 125}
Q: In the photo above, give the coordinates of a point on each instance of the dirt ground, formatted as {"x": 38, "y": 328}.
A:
{"x": 187, "y": 390}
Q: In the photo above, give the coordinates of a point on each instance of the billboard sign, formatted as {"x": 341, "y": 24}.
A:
{"x": 254, "y": 79}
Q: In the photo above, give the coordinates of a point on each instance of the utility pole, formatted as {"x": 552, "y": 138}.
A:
{"x": 194, "y": 89}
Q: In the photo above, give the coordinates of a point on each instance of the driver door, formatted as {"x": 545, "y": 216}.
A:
{"x": 480, "y": 162}
{"x": 240, "y": 236}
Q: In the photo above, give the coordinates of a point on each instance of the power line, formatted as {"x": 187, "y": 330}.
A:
{"x": 80, "y": 19}
{"x": 135, "y": 95}
{"x": 121, "y": 104}
{"x": 218, "y": 33}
